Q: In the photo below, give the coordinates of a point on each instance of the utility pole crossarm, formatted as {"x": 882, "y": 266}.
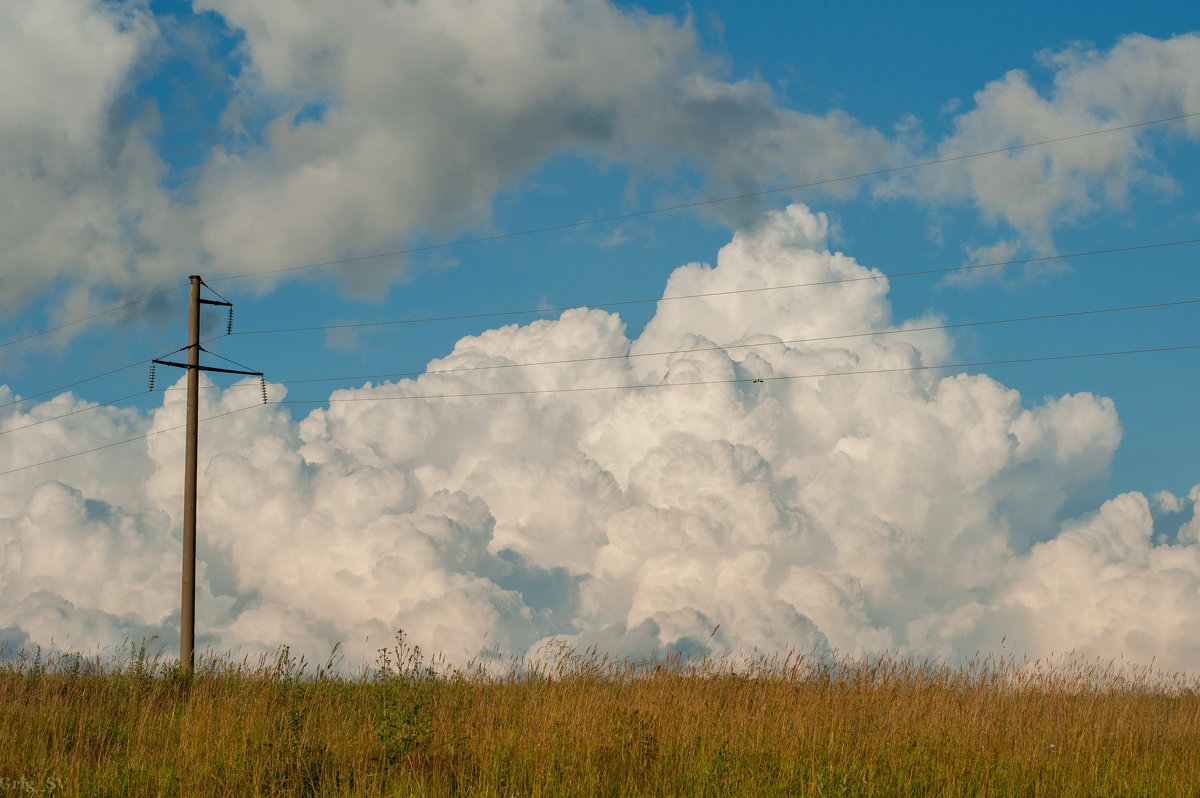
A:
{"x": 208, "y": 368}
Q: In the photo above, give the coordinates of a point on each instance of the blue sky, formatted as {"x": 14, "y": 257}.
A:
{"x": 227, "y": 140}
{"x": 877, "y": 63}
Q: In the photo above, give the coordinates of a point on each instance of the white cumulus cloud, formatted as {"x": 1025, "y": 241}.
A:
{"x": 350, "y": 128}
{"x": 1034, "y": 191}
{"x": 912, "y": 511}
{"x": 79, "y": 182}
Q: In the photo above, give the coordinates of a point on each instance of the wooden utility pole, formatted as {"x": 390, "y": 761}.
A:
{"x": 187, "y": 603}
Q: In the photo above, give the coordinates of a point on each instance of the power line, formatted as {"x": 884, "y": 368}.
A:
{"x": 123, "y": 441}
{"x": 32, "y": 396}
{"x": 131, "y": 303}
{"x": 815, "y": 339}
{"x": 231, "y": 360}
{"x": 617, "y": 218}
{"x": 73, "y": 384}
{"x": 96, "y": 406}
{"x": 898, "y": 369}
{"x": 630, "y": 355}
{"x": 736, "y": 380}
{"x": 215, "y": 291}
{"x": 701, "y": 203}
{"x": 620, "y": 302}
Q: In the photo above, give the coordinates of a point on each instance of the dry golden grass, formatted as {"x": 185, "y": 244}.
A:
{"x": 567, "y": 723}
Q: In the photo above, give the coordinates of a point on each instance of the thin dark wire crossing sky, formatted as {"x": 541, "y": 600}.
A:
{"x": 757, "y": 289}
{"x": 642, "y": 386}
{"x": 621, "y": 302}
{"x": 714, "y": 200}
{"x": 616, "y": 218}
{"x": 892, "y": 340}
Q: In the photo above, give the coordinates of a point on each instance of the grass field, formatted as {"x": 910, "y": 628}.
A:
{"x": 572, "y": 723}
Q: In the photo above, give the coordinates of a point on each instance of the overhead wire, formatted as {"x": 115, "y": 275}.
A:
{"x": 731, "y": 292}
{"x": 640, "y": 386}
{"x": 215, "y": 291}
{"x": 616, "y": 217}
{"x": 117, "y": 370}
{"x": 735, "y": 380}
{"x": 701, "y": 203}
{"x": 925, "y": 328}
{"x": 109, "y": 403}
{"x": 82, "y": 319}
{"x": 1060, "y": 256}
{"x": 122, "y": 442}
{"x": 230, "y": 360}
{"x": 73, "y": 384}
{"x": 632, "y": 215}
{"x": 787, "y": 342}
{"x": 613, "y": 218}
{"x": 95, "y": 406}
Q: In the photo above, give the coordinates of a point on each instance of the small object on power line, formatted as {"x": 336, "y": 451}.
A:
{"x": 757, "y": 380}
{"x": 262, "y": 381}
{"x": 229, "y": 324}
{"x": 151, "y": 388}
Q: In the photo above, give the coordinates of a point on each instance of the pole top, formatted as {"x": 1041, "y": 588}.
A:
{"x": 195, "y": 278}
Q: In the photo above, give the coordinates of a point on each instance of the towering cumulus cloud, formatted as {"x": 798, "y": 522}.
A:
{"x": 907, "y": 510}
